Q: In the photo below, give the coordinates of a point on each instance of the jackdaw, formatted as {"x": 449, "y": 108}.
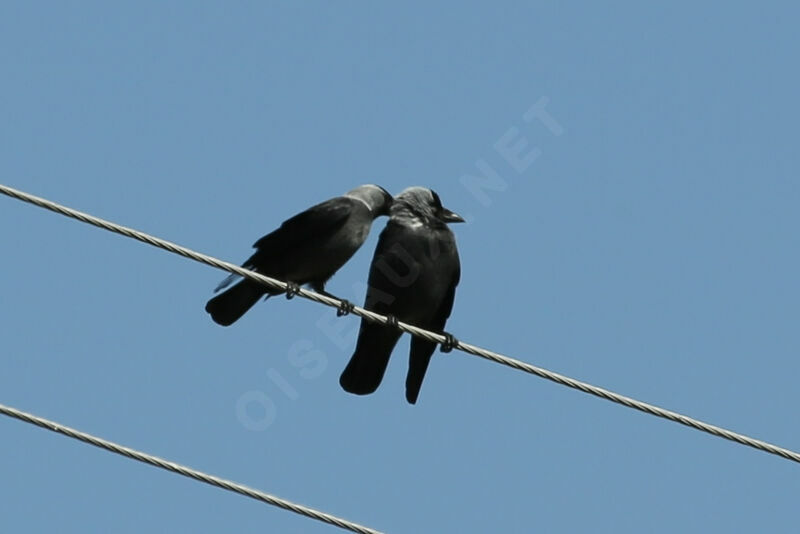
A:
{"x": 413, "y": 279}
{"x": 306, "y": 249}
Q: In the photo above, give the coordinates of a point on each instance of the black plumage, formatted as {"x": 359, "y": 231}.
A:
{"x": 306, "y": 249}
{"x": 413, "y": 277}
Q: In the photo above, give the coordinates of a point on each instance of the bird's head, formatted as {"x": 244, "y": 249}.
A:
{"x": 426, "y": 204}
{"x": 377, "y": 198}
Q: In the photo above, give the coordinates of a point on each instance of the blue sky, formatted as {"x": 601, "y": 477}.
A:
{"x": 649, "y": 247}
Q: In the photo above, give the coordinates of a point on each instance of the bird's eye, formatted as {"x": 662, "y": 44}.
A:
{"x": 436, "y": 201}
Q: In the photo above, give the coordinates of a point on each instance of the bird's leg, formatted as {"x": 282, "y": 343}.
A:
{"x": 345, "y": 308}
{"x": 391, "y": 320}
{"x": 450, "y": 342}
{"x": 292, "y": 289}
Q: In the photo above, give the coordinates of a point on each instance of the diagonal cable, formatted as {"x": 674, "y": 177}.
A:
{"x": 185, "y": 471}
{"x": 411, "y": 329}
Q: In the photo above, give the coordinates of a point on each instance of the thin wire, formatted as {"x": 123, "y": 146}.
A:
{"x": 413, "y": 330}
{"x": 185, "y": 471}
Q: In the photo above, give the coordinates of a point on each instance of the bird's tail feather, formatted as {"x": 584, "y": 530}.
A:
{"x": 227, "y": 307}
{"x": 365, "y": 370}
{"x": 418, "y": 360}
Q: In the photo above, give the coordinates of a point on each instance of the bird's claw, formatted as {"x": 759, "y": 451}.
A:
{"x": 345, "y": 308}
{"x": 391, "y": 320}
{"x": 292, "y": 289}
{"x": 450, "y": 342}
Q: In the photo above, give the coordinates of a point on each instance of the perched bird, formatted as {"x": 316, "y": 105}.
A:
{"x": 413, "y": 279}
{"x": 306, "y": 249}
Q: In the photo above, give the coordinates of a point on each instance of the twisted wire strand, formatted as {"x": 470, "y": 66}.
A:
{"x": 413, "y": 330}
{"x": 185, "y": 471}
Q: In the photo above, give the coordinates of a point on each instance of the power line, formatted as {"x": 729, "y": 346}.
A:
{"x": 411, "y": 329}
{"x": 186, "y": 471}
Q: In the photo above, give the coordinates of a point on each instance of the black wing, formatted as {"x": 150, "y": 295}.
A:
{"x": 421, "y": 349}
{"x": 317, "y": 222}
{"x": 365, "y": 370}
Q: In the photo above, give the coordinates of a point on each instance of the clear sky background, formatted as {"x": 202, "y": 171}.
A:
{"x": 650, "y": 247}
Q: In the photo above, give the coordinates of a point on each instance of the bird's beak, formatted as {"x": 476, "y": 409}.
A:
{"x": 450, "y": 217}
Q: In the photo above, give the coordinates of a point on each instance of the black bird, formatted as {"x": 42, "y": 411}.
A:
{"x": 412, "y": 278}
{"x": 306, "y": 249}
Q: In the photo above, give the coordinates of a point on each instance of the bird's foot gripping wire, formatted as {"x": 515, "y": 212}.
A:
{"x": 450, "y": 342}
{"x": 292, "y": 289}
{"x": 391, "y": 320}
{"x": 345, "y": 308}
